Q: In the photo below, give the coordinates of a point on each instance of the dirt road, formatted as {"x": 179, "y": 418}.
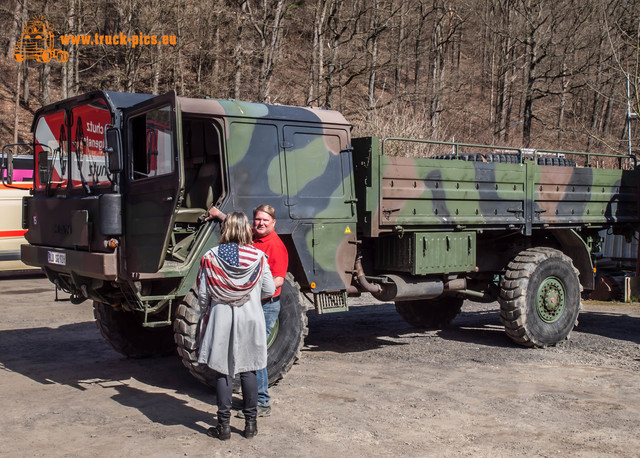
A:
{"x": 367, "y": 385}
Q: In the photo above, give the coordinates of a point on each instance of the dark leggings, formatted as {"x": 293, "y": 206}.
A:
{"x": 224, "y": 393}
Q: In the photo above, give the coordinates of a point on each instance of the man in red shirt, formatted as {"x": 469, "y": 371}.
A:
{"x": 266, "y": 240}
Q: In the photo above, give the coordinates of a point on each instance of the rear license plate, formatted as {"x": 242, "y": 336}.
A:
{"x": 57, "y": 258}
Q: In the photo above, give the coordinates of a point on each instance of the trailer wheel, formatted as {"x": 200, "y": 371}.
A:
{"x": 284, "y": 345}
{"x": 539, "y": 297}
{"x": 430, "y": 314}
{"x": 124, "y": 332}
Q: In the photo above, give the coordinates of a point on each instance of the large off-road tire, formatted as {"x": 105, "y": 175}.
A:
{"x": 430, "y": 314}
{"x": 539, "y": 297}
{"x": 284, "y": 345}
{"x": 124, "y": 332}
{"x": 288, "y": 334}
{"x": 186, "y": 328}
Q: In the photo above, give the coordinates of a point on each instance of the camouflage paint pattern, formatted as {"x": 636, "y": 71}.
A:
{"x": 296, "y": 160}
{"x": 422, "y": 216}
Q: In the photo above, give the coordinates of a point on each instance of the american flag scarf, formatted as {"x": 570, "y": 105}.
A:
{"x": 231, "y": 272}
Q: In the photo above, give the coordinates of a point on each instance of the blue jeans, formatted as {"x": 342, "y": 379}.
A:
{"x": 271, "y": 311}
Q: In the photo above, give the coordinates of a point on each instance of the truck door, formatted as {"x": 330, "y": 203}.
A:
{"x": 318, "y": 165}
{"x": 154, "y": 180}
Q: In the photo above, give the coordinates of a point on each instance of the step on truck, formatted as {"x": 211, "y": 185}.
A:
{"x": 122, "y": 181}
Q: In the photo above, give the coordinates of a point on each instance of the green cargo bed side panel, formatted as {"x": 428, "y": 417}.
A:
{"x": 582, "y": 195}
{"x": 419, "y": 191}
{"x": 423, "y": 193}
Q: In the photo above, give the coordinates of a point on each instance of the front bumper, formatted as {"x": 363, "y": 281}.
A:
{"x": 103, "y": 266}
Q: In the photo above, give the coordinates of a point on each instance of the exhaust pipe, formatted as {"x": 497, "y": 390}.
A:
{"x": 369, "y": 287}
{"x": 402, "y": 288}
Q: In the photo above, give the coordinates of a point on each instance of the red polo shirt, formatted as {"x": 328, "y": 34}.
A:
{"x": 277, "y": 255}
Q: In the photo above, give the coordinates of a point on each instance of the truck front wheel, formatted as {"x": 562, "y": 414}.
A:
{"x": 539, "y": 297}
{"x": 284, "y": 345}
{"x": 124, "y": 332}
{"x": 430, "y": 314}
{"x": 287, "y": 335}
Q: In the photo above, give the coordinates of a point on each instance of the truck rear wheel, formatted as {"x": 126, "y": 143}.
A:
{"x": 539, "y": 297}
{"x": 430, "y": 314}
{"x": 124, "y": 332}
{"x": 284, "y": 345}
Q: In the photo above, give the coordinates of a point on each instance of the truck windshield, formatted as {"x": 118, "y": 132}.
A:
{"x": 75, "y": 140}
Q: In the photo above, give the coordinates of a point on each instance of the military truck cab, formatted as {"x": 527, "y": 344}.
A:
{"x": 75, "y": 219}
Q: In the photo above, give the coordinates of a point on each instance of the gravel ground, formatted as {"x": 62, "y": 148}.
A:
{"x": 367, "y": 385}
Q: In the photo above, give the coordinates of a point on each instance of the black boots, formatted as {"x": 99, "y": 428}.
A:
{"x": 222, "y": 431}
{"x": 250, "y": 428}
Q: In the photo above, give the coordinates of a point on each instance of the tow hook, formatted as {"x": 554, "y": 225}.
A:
{"x": 79, "y": 297}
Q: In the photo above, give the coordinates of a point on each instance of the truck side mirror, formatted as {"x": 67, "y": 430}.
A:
{"x": 43, "y": 167}
{"x": 4, "y": 169}
{"x": 113, "y": 150}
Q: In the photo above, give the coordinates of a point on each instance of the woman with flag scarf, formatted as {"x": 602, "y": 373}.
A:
{"x": 233, "y": 278}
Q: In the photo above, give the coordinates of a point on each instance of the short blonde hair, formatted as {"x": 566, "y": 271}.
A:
{"x": 236, "y": 229}
{"x": 268, "y": 209}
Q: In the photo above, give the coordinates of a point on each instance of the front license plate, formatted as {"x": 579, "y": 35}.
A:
{"x": 57, "y": 258}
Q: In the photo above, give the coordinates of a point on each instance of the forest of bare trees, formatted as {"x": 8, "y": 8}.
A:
{"x": 530, "y": 73}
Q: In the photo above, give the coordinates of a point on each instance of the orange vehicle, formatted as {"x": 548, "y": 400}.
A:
{"x": 38, "y": 43}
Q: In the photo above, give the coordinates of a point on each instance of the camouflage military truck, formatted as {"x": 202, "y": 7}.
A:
{"x": 122, "y": 182}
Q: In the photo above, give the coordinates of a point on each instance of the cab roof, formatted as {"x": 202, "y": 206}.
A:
{"x": 233, "y": 108}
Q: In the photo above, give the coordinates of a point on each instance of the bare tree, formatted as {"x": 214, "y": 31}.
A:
{"x": 238, "y": 55}
{"x": 16, "y": 116}
{"x": 19, "y": 13}
{"x": 266, "y": 21}
{"x": 446, "y": 24}
{"x": 316, "y": 69}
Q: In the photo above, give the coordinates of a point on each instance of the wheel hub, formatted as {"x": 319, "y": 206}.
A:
{"x": 550, "y": 300}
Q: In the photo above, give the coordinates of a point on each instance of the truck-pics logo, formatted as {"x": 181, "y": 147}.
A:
{"x": 38, "y": 43}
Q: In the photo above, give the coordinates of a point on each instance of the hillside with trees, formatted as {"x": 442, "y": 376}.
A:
{"x": 525, "y": 73}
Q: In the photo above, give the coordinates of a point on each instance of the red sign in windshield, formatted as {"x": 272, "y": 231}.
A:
{"x": 88, "y": 163}
{"x": 51, "y": 137}
{"x": 74, "y": 142}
